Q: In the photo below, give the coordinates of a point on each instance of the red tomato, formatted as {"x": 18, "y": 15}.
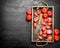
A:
{"x": 40, "y": 32}
{"x": 49, "y": 20}
{"x": 45, "y": 15}
{"x": 48, "y": 27}
{"x": 43, "y": 28}
{"x": 44, "y": 10}
{"x": 35, "y": 19}
{"x": 29, "y": 11}
{"x": 49, "y": 13}
{"x": 44, "y": 35}
{"x": 45, "y": 31}
{"x": 40, "y": 37}
{"x": 49, "y": 37}
{"x": 56, "y": 31}
{"x": 35, "y": 14}
{"x": 35, "y": 25}
{"x": 45, "y": 20}
{"x": 56, "y": 37}
{"x": 49, "y": 31}
{"x": 49, "y": 24}
{"x": 44, "y": 23}
{"x": 38, "y": 11}
{"x": 28, "y": 17}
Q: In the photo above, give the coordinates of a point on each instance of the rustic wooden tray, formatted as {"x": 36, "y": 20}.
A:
{"x": 34, "y": 36}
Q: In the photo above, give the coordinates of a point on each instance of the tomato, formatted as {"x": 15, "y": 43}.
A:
{"x": 29, "y": 11}
{"x": 43, "y": 28}
{"x": 49, "y": 37}
{"x": 28, "y": 17}
{"x": 45, "y": 15}
{"x": 48, "y": 27}
{"x": 40, "y": 32}
{"x": 44, "y": 10}
{"x": 49, "y": 20}
{"x": 34, "y": 25}
{"x": 56, "y": 31}
{"x": 38, "y": 11}
{"x": 44, "y": 23}
{"x": 35, "y": 14}
{"x": 56, "y": 37}
{"x": 49, "y": 24}
{"x": 35, "y": 19}
{"x": 45, "y": 31}
{"x": 40, "y": 37}
{"x": 49, "y": 31}
{"x": 44, "y": 35}
{"x": 49, "y": 13}
{"x": 45, "y": 20}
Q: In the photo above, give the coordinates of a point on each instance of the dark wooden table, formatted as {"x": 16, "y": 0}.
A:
{"x": 15, "y": 31}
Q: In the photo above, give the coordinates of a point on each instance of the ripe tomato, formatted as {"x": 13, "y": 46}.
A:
{"x": 38, "y": 11}
{"x": 45, "y": 20}
{"x": 40, "y": 37}
{"x": 43, "y": 28}
{"x": 56, "y": 31}
{"x": 35, "y": 14}
{"x": 48, "y": 27}
{"x": 44, "y": 23}
{"x": 29, "y": 11}
{"x": 44, "y": 35}
{"x": 34, "y": 25}
{"x": 28, "y": 17}
{"x": 49, "y": 13}
{"x": 35, "y": 19}
{"x": 56, "y": 37}
{"x": 49, "y": 20}
{"x": 49, "y": 31}
{"x": 44, "y": 10}
{"x": 40, "y": 32}
{"x": 45, "y": 15}
{"x": 45, "y": 31}
{"x": 49, "y": 24}
{"x": 49, "y": 37}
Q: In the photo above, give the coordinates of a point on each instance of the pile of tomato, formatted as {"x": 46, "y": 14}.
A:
{"x": 46, "y": 32}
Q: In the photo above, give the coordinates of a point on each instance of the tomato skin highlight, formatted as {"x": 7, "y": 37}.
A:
{"x": 35, "y": 19}
{"x": 49, "y": 13}
{"x": 56, "y": 31}
{"x": 28, "y": 17}
{"x": 29, "y": 11}
{"x": 56, "y": 38}
{"x": 49, "y": 31}
{"x": 44, "y": 10}
{"x": 35, "y": 14}
{"x": 44, "y": 23}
